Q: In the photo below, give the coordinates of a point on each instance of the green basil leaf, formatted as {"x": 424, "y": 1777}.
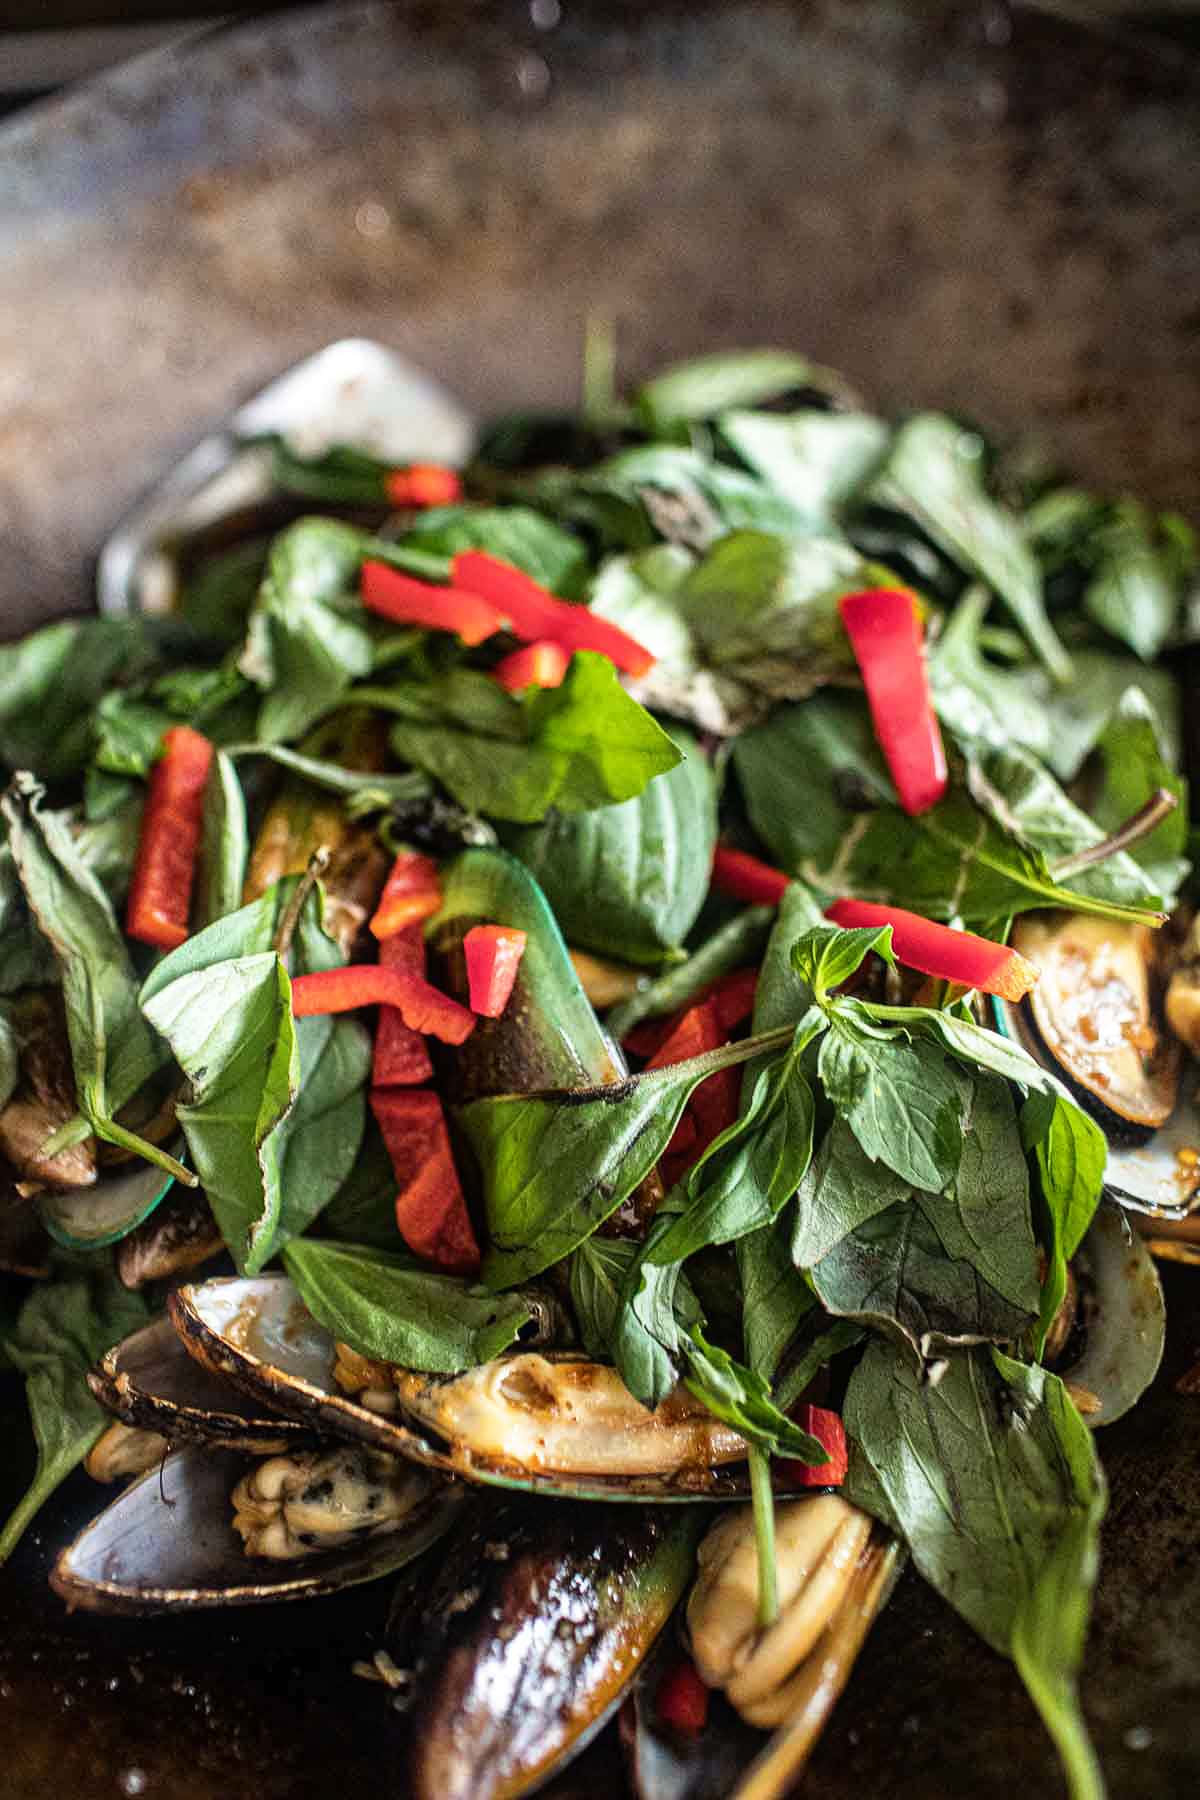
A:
{"x": 306, "y": 641}
{"x": 598, "y": 1270}
{"x": 1077, "y": 715}
{"x": 1071, "y": 1154}
{"x": 841, "y": 1335}
{"x": 129, "y": 734}
{"x": 841, "y": 1191}
{"x": 688, "y": 498}
{"x": 63, "y": 1327}
{"x": 732, "y": 946}
{"x": 113, "y": 1049}
{"x": 743, "y": 1400}
{"x": 363, "y": 1211}
{"x": 994, "y": 1481}
{"x": 756, "y": 595}
{"x": 321, "y": 1136}
{"x": 217, "y": 598}
{"x": 576, "y": 746}
{"x": 1134, "y": 591}
{"x": 397, "y": 1311}
{"x": 648, "y": 1344}
{"x": 26, "y": 959}
{"x": 775, "y": 1297}
{"x": 983, "y": 700}
{"x": 630, "y": 879}
{"x": 814, "y": 459}
{"x": 827, "y": 955}
{"x": 515, "y": 534}
{"x": 933, "y": 475}
{"x": 359, "y": 787}
{"x": 705, "y": 386}
{"x": 903, "y": 1103}
{"x": 1134, "y": 763}
{"x": 224, "y": 844}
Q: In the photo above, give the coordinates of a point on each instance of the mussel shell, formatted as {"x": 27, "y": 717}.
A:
{"x": 180, "y": 1235}
{"x": 1122, "y": 1318}
{"x": 150, "y": 1382}
{"x": 1147, "y": 1176}
{"x": 257, "y": 1334}
{"x": 167, "y": 1544}
{"x": 536, "y": 1621}
{"x": 89, "y": 1218}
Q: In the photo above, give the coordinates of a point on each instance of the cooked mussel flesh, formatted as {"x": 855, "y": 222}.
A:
{"x": 1182, "y": 1005}
{"x": 310, "y": 1501}
{"x": 530, "y": 1413}
{"x": 124, "y": 1450}
{"x": 1094, "y": 1010}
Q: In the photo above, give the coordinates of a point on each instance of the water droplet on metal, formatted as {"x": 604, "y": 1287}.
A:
{"x": 545, "y": 14}
{"x": 372, "y": 219}
{"x": 533, "y": 75}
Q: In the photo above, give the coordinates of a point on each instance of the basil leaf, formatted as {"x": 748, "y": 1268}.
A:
{"x": 687, "y": 498}
{"x": 732, "y": 946}
{"x": 216, "y": 600}
{"x": 657, "y": 1308}
{"x": 743, "y": 1400}
{"x": 397, "y": 1311}
{"x": 707, "y": 385}
{"x": 1077, "y": 715}
{"x": 828, "y": 955}
{"x": 902, "y": 1101}
{"x": 553, "y": 1167}
{"x": 360, "y": 787}
{"x": 842, "y": 1191}
{"x": 841, "y": 1335}
{"x": 575, "y": 746}
{"x": 1134, "y": 591}
{"x": 129, "y": 733}
{"x": 26, "y": 959}
{"x": 60, "y": 1331}
{"x": 224, "y": 844}
{"x": 1071, "y": 1155}
{"x": 933, "y": 475}
{"x": 598, "y": 1270}
{"x": 321, "y": 1135}
{"x": 757, "y": 595}
{"x": 983, "y": 700}
{"x": 1134, "y": 765}
{"x": 515, "y": 534}
{"x": 113, "y": 1049}
{"x": 363, "y": 1211}
{"x": 630, "y": 879}
{"x": 306, "y": 642}
{"x": 814, "y": 459}
{"x": 775, "y": 1297}
{"x": 994, "y": 1481}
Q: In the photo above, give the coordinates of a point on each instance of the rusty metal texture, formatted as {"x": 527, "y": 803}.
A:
{"x": 960, "y": 207}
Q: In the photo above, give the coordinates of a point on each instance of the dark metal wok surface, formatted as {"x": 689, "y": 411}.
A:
{"x": 962, "y": 209}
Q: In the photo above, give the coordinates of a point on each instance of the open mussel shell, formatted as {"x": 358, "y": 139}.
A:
{"x": 525, "y": 1638}
{"x": 167, "y": 1544}
{"x": 1117, "y": 1345}
{"x": 149, "y": 1381}
{"x": 1159, "y": 1175}
{"x": 258, "y": 1334}
{"x": 178, "y": 1236}
{"x": 88, "y": 1218}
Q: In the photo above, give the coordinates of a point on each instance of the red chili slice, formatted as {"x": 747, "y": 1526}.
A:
{"x": 683, "y": 1699}
{"x": 401, "y": 1058}
{"x": 829, "y": 1431}
{"x": 713, "y": 1106}
{"x": 746, "y": 877}
{"x": 424, "y": 484}
{"x": 412, "y": 892}
{"x": 542, "y": 664}
{"x": 940, "y": 951}
{"x": 493, "y": 955}
{"x": 533, "y": 613}
{"x": 406, "y": 601}
{"x": 431, "y": 1210}
{"x": 160, "y": 893}
{"x": 887, "y": 637}
{"x": 422, "y": 1006}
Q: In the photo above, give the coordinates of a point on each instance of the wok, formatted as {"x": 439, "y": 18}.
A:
{"x": 962, "y": 207}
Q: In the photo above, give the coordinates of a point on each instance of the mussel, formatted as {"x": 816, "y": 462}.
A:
{"x": 1113, "y": 1326}
{"x": 168, "y": 1543}
{"x": 1094, "y": 1010}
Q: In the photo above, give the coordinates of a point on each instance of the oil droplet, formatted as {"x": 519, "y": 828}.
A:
{"x": 545, "y": 13}
{"x": 1139, "y": 1737}
{"x": 132, "y": 1782}
{"x": 372, "y": 219}
{"x": 533, "y": 75}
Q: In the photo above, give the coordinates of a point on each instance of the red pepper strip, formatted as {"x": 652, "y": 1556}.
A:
{"x": 732, "y": 995}
{"x": 431, "y": 1212}
{"x": 424, "y": 484}
{"x": 747, "y": 878}
{"x": 829, "y": 1431}
{"x": 406, "y": 601}
{"x": 887, "y": 637}
{"x": 401, "y": 1058}
{"x": 412, "y": 892}
{"x": 542, "y": 664}
{"x": 948, "y": 955}
{"x": 423, "y": 1007}
{"x": 533, "y": 613}
{"x": 683, "y": 1699}
{"x": 493, "y": 954}
{"x": 160, "y": 894}
{"x": 714, "y": 1104}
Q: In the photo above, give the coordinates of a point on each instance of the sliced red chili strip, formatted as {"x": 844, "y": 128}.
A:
{"x": 493, "y": 955}
{"x": 431, "y": 1210}
{"x": 746, "y": 877}
{"x": 412, "y": 891}
{"x": 829, "y": 1431}
{"x": 732, "y": 995}
{"x": 683, "y": 1699}
{"x": 160, "y": 893}
{"x": 424, "y": 484}
{"x": 713, "y": 1106}
{"x": 422, "y": 1006}
{"x": 533, "y": 613}
{"x": 407, "y": 601}
{"x": 401, "y": 1058}
{"x": 940, "y": 951}
{"x": 542, "y": 664}
{"x": 887, "y": 637}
